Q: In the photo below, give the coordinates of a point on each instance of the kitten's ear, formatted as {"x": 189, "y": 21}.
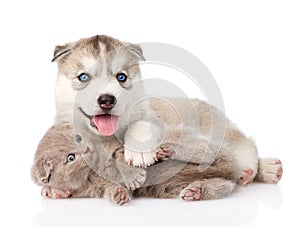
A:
{"x": 41, "y": 171}
{"x": 137, "y": 50}
{"x": 62, "y": 50}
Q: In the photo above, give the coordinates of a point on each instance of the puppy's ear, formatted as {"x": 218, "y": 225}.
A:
{"x": 41, "y": 171}
{"x": 137, "y": 50}
{"x": 61, "y": 51}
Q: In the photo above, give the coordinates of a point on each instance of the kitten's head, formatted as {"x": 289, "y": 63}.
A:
{"x": 58, "y": 162}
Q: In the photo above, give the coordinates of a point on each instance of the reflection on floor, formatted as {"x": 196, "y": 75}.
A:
{"x": 242, "y": 207}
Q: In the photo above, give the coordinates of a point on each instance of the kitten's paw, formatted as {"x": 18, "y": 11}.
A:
{"x": 120, "y": 195}
{"x": 164, "y": 153}
{"x": 191, "y": 193}
{"x": 52, "y": 193}
{"x": 46, "y": 192}
{"x": 135, "y": 178}
{"x": 269, "y": 170}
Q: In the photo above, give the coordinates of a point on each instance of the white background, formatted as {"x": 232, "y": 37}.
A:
{"x": 252, "y": 48}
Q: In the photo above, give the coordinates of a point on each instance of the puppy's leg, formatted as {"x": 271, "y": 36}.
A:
{"x": 269, "y": 170}
{"x": 188, "y": 189}
{"x": 196, "y": 149}
{"x": 214, "y": 188}
{"x": 244, "y": 153}
{"x": 141, "y": 140}
{"x": 118, "y": 194}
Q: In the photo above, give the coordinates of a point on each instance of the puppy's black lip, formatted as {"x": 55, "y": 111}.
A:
{"x": 90, "y": 116}
{"x": 49, "y": 177}
{"x": 85, "y": 114}
{"x": 93, "y": 124}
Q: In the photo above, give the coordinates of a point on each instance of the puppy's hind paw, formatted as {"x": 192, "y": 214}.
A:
{"x": 211, "y": 188}
{"x": 247, "y": 177}
{"x": 269, "y": 170}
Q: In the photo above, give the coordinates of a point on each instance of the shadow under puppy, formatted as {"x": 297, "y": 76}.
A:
{"x": 63, "y": 171}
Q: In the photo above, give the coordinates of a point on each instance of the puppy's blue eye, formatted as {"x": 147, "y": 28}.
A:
{"x": 121, "y": 77}
{"x": 70, "y": 158}
{"x": 83, "y": 77}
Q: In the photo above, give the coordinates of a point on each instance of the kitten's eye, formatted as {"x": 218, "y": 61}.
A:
{"x": 83, "y": 77}
{"x": 121, "y": 77}
{"x": 78, "y": 138}
{"x": 70, "y": 158}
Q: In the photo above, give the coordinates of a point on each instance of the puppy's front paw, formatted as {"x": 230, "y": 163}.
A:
{"x": 140, "y": 158}
{"x": 141, "y": 142}
{"x": 120, "y": 195}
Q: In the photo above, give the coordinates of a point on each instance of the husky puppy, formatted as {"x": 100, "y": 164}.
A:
{"x": 99, "y": 89}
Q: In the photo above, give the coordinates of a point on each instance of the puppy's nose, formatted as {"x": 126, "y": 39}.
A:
{"x": 107, "y": 102}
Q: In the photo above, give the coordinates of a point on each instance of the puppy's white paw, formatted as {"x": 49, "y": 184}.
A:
{"x": 140, "y": 159}
{"x": 141, "y": 143}
{"x": 269, "y": 170}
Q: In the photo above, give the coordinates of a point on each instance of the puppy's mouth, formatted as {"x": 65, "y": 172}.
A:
{"x": 106, "y": 124}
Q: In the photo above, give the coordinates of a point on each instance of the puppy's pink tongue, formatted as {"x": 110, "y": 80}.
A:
{"x": 106, "y": 124}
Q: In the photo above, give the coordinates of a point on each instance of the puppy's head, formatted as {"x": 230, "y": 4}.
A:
{"x": 99, "y": 74}
{"x": 58, "y": 163}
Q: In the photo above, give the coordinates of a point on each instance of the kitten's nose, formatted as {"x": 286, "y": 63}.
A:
{"x": 107, "y": 102}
